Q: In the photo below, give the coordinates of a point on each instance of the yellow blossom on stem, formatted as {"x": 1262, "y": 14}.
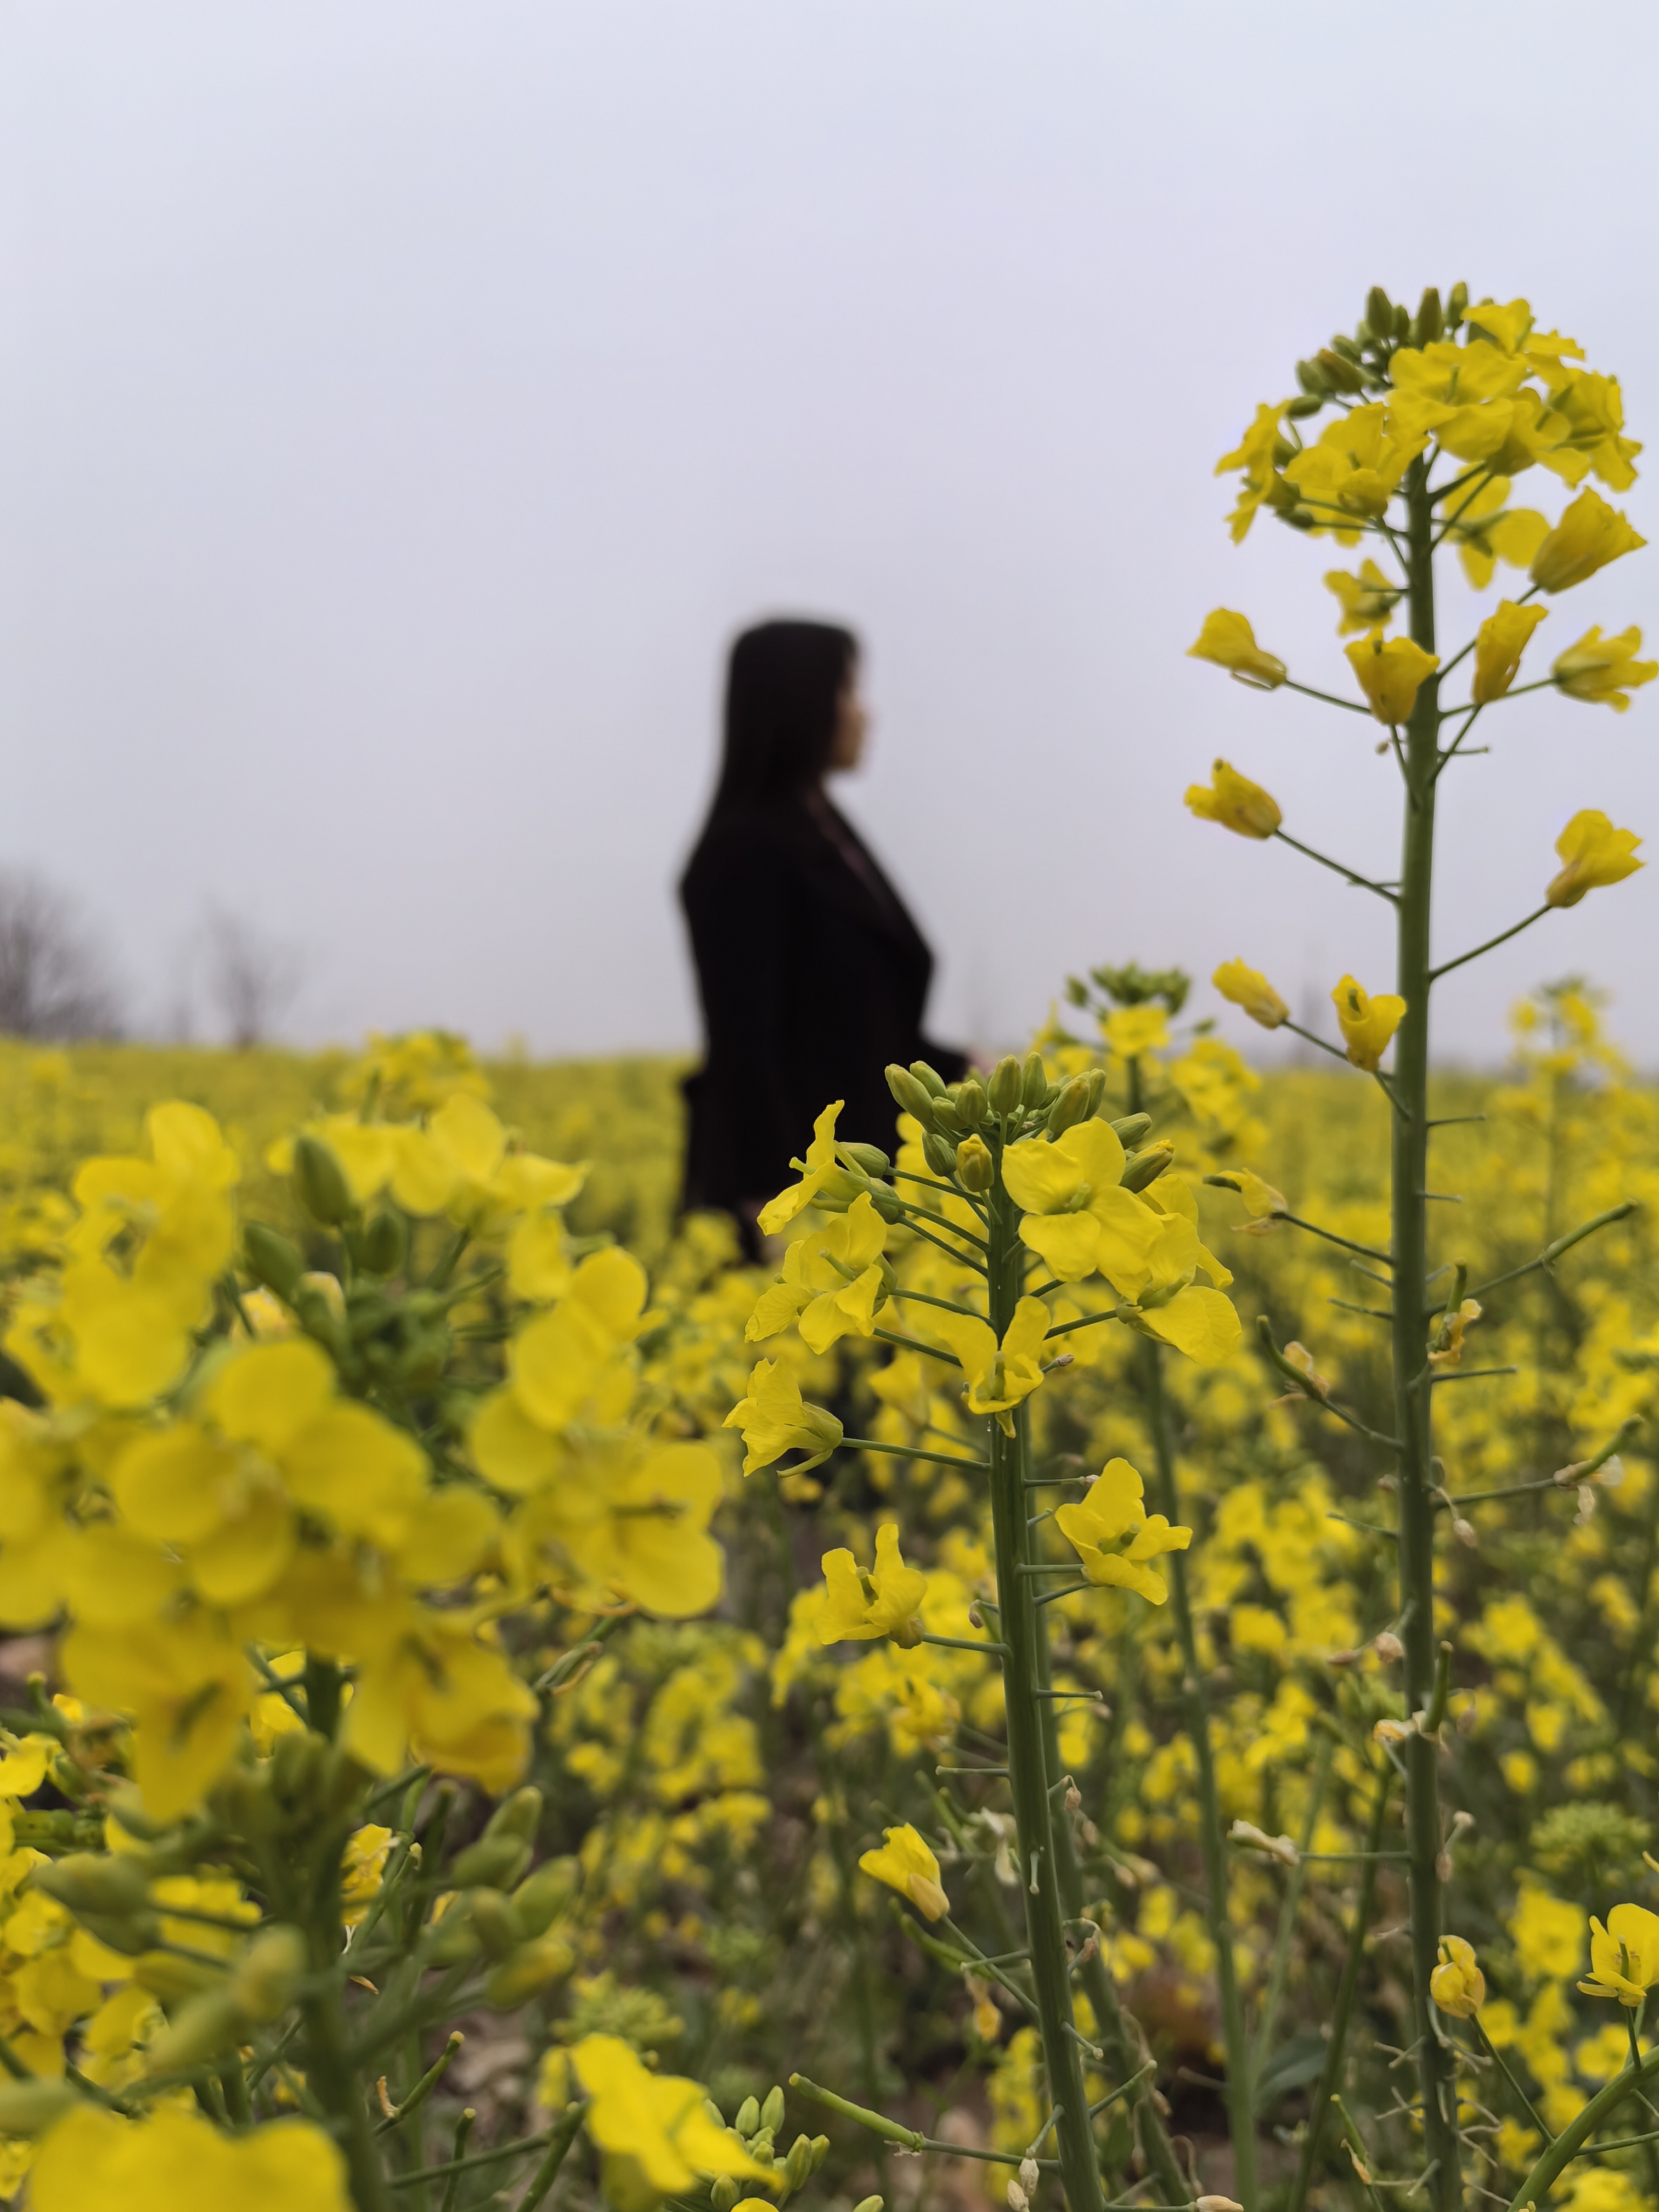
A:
{"x": 1248, "y": 988}
{"x": 1228, "y": 639}
{"x": 885, "y": 1602}
{"x": 1368, "y": 600}
{"x": 1114, "y": 1536}
{"x": 775, "y": 1418}
{"x": 1594, "y": 853}
{"x": 1446, "y": 1345}
{"x": 1604, "y": 670}
{"x": 1366, "y": 1023}
{"x": 1589, "y": 534}
{"x": 999, "y": 1375}
{"x": 653, "y": 2126}
{"x": 1262, "y": 1200}
{"x": 173, "y": 2160}
{"x": 1390, "y": 672}
{"x": 815, "y": 1171}
{"x": 1498, "y": 644}
{"x": 1259, "y": 454}
{"x": 1457, "y": 1984}
{"x": 1235, "y": 802}
{"x": 1624, "y": 1955}
{"x": 905, "y": 1863}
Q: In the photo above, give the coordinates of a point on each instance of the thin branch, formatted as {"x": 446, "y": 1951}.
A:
{"x": 1492, "y": 942}
{"x": 1364, "y": 883}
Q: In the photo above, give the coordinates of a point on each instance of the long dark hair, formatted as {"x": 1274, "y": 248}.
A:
{"x": 783, "y": 685}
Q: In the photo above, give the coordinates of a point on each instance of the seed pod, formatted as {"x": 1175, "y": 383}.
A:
{"x": 540, "y": 1897}
{"x": 911, "y": 1097}
{"x": 204, "y": 2025}
{"x": 1003, "y": 1090}
{"x": 974, "y": 1164}
{"x": 1146, "y": 1167}
{"x": 1379, "y": 311}
{"x": 1426, "y": 325}
{"x": 771, "y": 2111}
{"x": 1033, "y": 1080}
{"x": 1131, "y": 1129}
{"x": 385, "y": 1242}
{"x": 94, "y": 1881}
{"x": 1071, "y": 1106}
{"x": 748, "y": 2121}
{"x": 268, "y": 1972}
{"x": 798, "y": 2167}
{"x": 1339, "y": 373}
{"x": 29, "y": 2108}
{"x": 272, "y": 1261}
{"x": 321, "y": 1182}
{"x": 939, "y": 1153}
{"x": 870, "y": 1157}
{"x": 971, "y": 1102}
{"x": 492, "y": 1863}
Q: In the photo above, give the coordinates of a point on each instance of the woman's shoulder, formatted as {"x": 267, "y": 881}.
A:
{"x": 750, "y": 830}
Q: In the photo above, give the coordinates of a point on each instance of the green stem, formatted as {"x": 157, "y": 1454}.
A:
{"x": 1241, "y": 2098}
{"x": 1573, "y": 2138}
{"x": 1278, "y": 1971}
{"x": 1410, "y": 1137}
{"x": 1336, "y": 2050}
{"x": 548, "y": 2171}
{"x": 1023, "y": 1629}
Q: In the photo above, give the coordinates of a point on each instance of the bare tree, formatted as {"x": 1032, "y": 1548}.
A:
{"x": 251, "y": 978}
{"x": 53, "y": 981}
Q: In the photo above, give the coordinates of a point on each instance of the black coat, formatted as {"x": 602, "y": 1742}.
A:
{"x": 812, "y": 978}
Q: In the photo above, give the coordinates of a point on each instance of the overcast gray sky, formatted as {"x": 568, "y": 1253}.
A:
{"x": 401, "y": 404}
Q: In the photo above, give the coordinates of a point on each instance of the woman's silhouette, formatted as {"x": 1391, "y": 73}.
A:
{"x": 812, "y": 974}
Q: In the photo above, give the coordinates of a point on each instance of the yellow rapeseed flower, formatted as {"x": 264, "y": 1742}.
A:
{"x": 1366, "y": 1023}
{"x": 1114, "y": 1536}
{"x": 1368, "y": 600}
{"x": 1624, "y": 1955}
{"x": 1457, "y": 1984}
{"x": 1228, "y": 639}
{"x": 815, "y": 1171}
{"x": 1000, "y": 1376}
{"x": 1594, "y": 853}
{"x": 1390, "y": 672}
{"x": 1589, "y": 534}
{"x": 1498, "y": 644}
{"x": 905, "y": 1863}
{"x": 1248, "y": 988}
{"x": 173, "y": 2160}
{"x": 885, "y": 1602}
{"x": 775, "y": 1418}
{"x": 1235, "y": 802}
{"x": 1604, "y": 670}
{"x": 653, "y": 2125}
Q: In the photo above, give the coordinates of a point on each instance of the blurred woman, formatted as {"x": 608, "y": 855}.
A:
{"x": 812, "y": 974}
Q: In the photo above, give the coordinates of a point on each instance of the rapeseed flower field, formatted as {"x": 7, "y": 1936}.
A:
{"x": 1115, "y": 1670}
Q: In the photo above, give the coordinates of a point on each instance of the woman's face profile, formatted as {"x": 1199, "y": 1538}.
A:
{"x": 852, "y": 724}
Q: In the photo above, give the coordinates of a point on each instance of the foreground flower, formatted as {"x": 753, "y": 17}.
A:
{"x": 1457, "y": 1984}
{"x": 1367, "y": 1023}
{"x": 1114, "y": 1537}
{"x": 816, "y": 1170}
{"x": 832, "y": 1283}
{"x": 1594, "y": 853}
{"x": 1248, "y": 988}
{"x": 655, "y": 2127}
{"x": 1367, "y": 599}
{"x": 775, "y": 1418}
{"x": 174, "y": 2161}
{"x": 1498, "y": 644}
{"x": 859, "y": 1607}
{"x": 1228, "y": 639}
{"x": 1624, "y": 1955}
{"x": 905, "y": 1863}
{"x": 1589, "y": 534}
{"x": 1390, "y": 672}
{"x": 999, "y": 1375}
{"x": 1604, "y": 670}
{"x": 1235, "y": 802}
